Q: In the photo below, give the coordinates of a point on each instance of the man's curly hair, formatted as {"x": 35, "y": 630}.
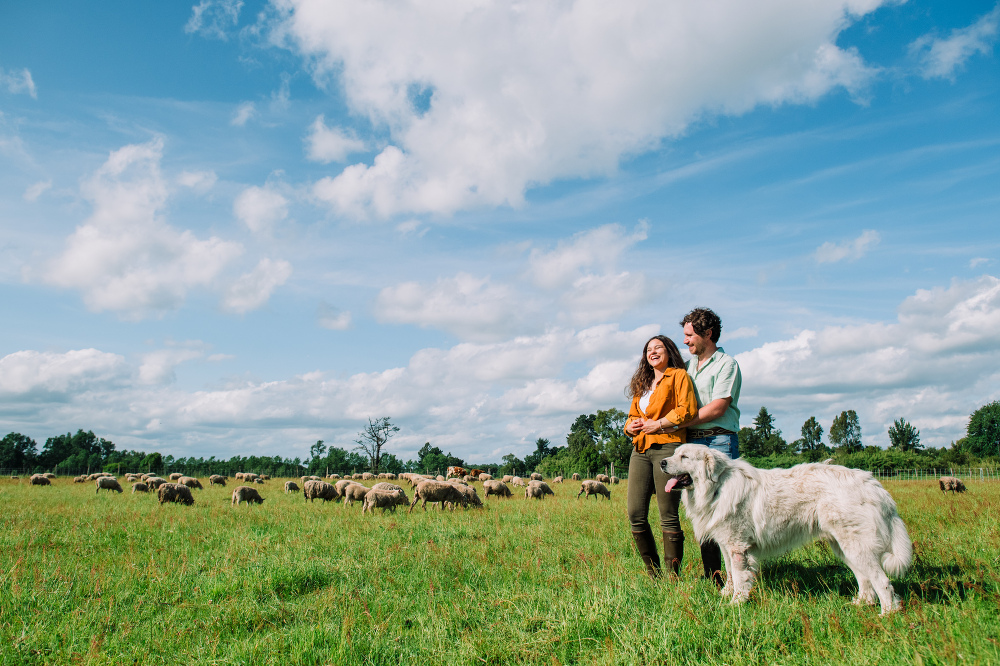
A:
{"x": 702, "y": 320}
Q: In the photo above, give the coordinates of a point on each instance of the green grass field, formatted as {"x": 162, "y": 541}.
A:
{"x": 119, "y": 579}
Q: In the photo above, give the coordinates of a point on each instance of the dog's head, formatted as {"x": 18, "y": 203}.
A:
{"x": 692, "y": 465}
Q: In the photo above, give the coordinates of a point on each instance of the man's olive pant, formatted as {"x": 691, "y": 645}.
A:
{"x": 645, "y": 478}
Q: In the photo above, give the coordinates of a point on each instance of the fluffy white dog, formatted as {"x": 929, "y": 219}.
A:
{"x": 756, "y": 514}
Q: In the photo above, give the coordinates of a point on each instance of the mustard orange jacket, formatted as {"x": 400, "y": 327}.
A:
{"x": 673, "y": 398}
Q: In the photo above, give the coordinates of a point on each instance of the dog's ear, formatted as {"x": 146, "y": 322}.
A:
{"x": 712, "y": 468}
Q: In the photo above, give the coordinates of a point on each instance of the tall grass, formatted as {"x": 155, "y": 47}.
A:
{"x": 120, "y": 579}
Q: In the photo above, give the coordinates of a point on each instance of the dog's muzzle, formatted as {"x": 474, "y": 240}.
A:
{"x": 679, "y": 482}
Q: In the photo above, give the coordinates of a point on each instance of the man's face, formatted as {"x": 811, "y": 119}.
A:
{"x": 696, "y": 344}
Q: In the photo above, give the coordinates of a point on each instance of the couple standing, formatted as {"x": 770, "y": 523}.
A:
{"x": 673, "y": 404}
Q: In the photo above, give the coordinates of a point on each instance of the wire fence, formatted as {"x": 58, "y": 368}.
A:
{"x": 965, "y": 473}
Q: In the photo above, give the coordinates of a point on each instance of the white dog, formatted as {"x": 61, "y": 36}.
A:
{"x": 756, "y": 514}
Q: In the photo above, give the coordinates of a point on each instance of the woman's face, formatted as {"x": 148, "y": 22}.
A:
{"x": 656, "y": 354}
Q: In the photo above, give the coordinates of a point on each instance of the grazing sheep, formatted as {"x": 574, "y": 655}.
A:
{"x": 485, "y": 477}
{"x": 535, "y": 476}
{"x": 155, "y": 482}
{"x": 468, "y": 479}
{"x": 951, "y": 483}
{"x": 314, "y": 490}
{"x": 558, "y": 479}
{"x": 190, "y": 482}
{"x": 131, "y": 478}
{"x": 107, "y": 484}
{"x": 356, "y": 476}
{"x": 603, "y": 478}
{"x": 383, "y": 485}
{"x": 471, "y": 496}
{"x": 533, "y": 491}
{"x": 49, "y": 475}
{"x": 291, "y": 487}
{"x": 175, "y": 476}
{"x": 440, "y": 478}
{"x": 575, "y": 477}
{"x": 140, "y": 487}
{"x": 518, "y": 481}
{"x": 507, "y": 478}
{"x": 246, "y": 494}
{"x": 615, "y": 480}
{"x": 355, "y": 492}
{"x": 39, "y": 480}
{"x": 384, "y": 498}
{"x": 216, "y": 480}
{"x": 175, "y": 492}
{"x": 143, "y": 477}
{"x": 390, "y": 476}
{"x": 593, "y": 488}
{"x": 340, "y": 485}
{"x": 259, "y": 481}
{"x": 266, "y": 477}
{"x": 498, "y": 488}
{"x": 541, "y": 484}
{"x": 437, "y": 491}
{"x": 78, "y": 479}
{"x": 367, "y": 476}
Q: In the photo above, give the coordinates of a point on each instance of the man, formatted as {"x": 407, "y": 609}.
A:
{"x": 717, "y": 380}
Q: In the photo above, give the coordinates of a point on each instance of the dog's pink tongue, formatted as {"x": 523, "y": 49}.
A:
{"x": 670, "y": 484}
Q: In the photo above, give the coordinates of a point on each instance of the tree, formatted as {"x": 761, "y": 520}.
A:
{"x": 764, "y": 424}
{"x": 511, "y": 465}
{"x": 903, "y": 436}
{"x": 582, "y": 444}
{"x": 812, "y": 435}
{"x": 318, "y": 449}
{"x": 983, "y": 432}
{"x": 17, "y": 452}
{"x": 371, "y": 440}
{"x": 612, "y": 442}
{"x": 846, "y": 432}
{"x": 432, "y": 459}
{"x": 541, "y": 452}
{"x": 766, "y": 439}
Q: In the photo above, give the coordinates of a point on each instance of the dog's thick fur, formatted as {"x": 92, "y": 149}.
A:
{"x": 756, "y": 514}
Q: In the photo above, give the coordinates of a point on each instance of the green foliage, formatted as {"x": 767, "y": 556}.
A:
{"x": 983, "y": 431}
{"x": 612, "y": 442}
{"x": 764, "y": 439}
{"x": 372, "y": 439}
{"x": 845, "y": 432}
{"x": 432, "y": 460}
{"x": 18, "y": 452}
{"x": 511, "y": 464}
{"x": 903, "y": 436}
{"x": 541, "y": 452}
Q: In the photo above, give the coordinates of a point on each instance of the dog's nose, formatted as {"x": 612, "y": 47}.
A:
{"x": 663, "y": 465}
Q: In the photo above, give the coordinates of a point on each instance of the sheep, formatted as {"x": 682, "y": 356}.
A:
{"x": 390, "y": 476}
{"x": 575, "y": 477}
{"x": 259, "y": 481}
{"x": 107, "y": 484}
{"x": 357, "y": 476}
{"x": 498, "y": 488}
{"x": 471, "y": 497}
{"x": 291, "y": 487}
{"x": 485, "y": 477}
{"x": 79, "y": 479}
{"x": 49, "y": 475}
{"x": 355, "y": 492}
{"x": 313, "y": 490}
{"x": 139, "y": 487}
{"x": 384, "y": 498}
{"x": 615, "y": 480}
{"x": 951, "y": 483}
{"x": 603, "y": 478}
{"x": 533, "y": 491}
{"x": 437, "y": 491}
{"x": 507, "y": 478}
{"x": 154, "y": 482}
{"x": 558, "y": 479}
{"x": 335, "y": 477}
{"x": 190, "y": 482}
{"x": 540, "y": 484}
{"x": 382, "y": 485}
{"x": 440, "y": 478}
{"x": 131, "y": 478}
{"x": 367, "y": 476}
{"x": 39, "y": 480}
{"x": 175, "y": 476}
{"x": 266, "y": 477}
{"x": 175, "y": 492}
{"x": 340, "y": 485}
{"x": 593, "y": 488}
{"x": 535, "y": 476}
{"x": 216, "y": 480}
{"x": 246, "y": 494}
{"x": 143, "y": 477}
{"x": 518, "y": 481}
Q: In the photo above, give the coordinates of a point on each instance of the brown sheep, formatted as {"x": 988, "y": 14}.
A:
{"x": 575, "y": 477}
{"x": 615, "y": 480}
{"x": 558, "y": 479}
{"x": 107, "y": 484}
{"x": 485, "y": 477}
{"x": 175, "y": 492}
{"x": 437, "y": 491}
{"x": 535, "y": 476}
{"x": 593, "y": 488}
{"x": 155, "y": 482}
{"x": 217, "y": 480}
{"x": 246, "y": 494}
{"x": 39, "y": 480}
{"x": 175, "y": 476}
{"x": 190, "y": 482}
{"x": 603, "y": 478}
{"x": 259, "y": 480}
{"x": 80, "y": 479}
{"x": 507, "y": 478}
{"x": 355, "y": 492}
{"x": 384, "y": 498}
{"x": 140, "y": 487}
{"x": 314, "y": 490}
{"x": 291, "y": 487}
{"x": 266, "y": 477}
{"x": 498, "y": 488}
{"x": 951, "y": 483}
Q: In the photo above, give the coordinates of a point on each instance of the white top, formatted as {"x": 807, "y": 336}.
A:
{"x": 644, "y": 400}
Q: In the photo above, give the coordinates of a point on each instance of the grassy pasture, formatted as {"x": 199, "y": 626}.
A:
{"x": 119, "y": 579}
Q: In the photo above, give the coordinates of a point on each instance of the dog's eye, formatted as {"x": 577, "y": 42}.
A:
{"x": 683, "y": 457}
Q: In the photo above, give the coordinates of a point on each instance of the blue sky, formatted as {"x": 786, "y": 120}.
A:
{"x": 238, "y": 227}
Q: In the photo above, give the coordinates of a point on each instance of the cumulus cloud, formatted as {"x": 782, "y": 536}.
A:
{"x": 158, "y": 366}
{"x": 17, "y": 82}
{"x": 741, "y": 332}
{"x": 502, "y": 96}
{"x": 260, "y": 208}
{"x": 214, "y": 18}
{"x": 253, "y": 289}
{"x": 331, "y": 318}
{"x": 27, "y": 373}
{"x": 199, "y": 181}
{"x": 125, "y": 257}
{"x": 325, "y": 144}
{"x": 975, "y": 262}
{"x": 941, "y": 58}
{"x": 829, "y": 253}
{"x": 243, "y": 113}
{"x": 37, "y": 190}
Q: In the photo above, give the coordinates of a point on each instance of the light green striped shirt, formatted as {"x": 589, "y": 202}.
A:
{"x": 719, "y": 377}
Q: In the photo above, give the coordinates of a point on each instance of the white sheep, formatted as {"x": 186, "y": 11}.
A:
{"x": 108, "y": 484}
{"x": 190, "y": 482}
{"x": 575, "y": 477}
{"x": 384, "y": 498}
{"x": 313, "y": 490}
{"x": 558, "y": 479}
{"x": 498, "y": 488}
{"x": 518, "y": 481}
{"x": 544, "y": 487}
{"x": 355, "y": 493}
{"x": 174, "y": 492}
{"x": 217, "y": 480}
{"x": 603, "y": 478}
{"x": 246, "y": 494}
{"x": 593, "y": 488}
{"x": 437, "y": 491}
{"x": 615, "y": 480}
{"x": 951, "y": 483}
{"x": 535, "y": 476}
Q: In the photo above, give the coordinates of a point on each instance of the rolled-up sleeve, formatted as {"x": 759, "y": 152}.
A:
{"x": 686, "y": 407}
{"x": 727, "y": 381}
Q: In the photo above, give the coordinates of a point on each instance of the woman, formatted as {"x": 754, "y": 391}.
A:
{"x": 663, "y": 400}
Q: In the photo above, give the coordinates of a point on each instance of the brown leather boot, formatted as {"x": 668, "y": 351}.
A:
{"x": 711, "y": 561}
{"x": 646, "y": 545}
{"x": 673, "y": 551}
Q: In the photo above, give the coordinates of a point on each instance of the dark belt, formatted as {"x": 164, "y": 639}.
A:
{"x": 692, "y": 433}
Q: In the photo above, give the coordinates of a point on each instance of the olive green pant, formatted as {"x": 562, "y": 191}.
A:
{"x": 646, "y": 478}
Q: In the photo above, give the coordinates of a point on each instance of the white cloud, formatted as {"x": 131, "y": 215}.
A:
{"x": 243, "y": 113}
{"x": 17, "y": 82}
{"x": 326, "y": 144}
{"x": 214, "y": 18}
{"x": 158, "y": 366}
{"x": 25, "y": 373}
{"x": 125, "y": 257}
{"x": 253, "y": 289}
{"x": 829, "y": 253}
{"x": 199, "y": 181}
{"x": 260, "y": 208}
{"x": 741, "y": 332}
{"x": 331, "y": 318}
{"x": 940, "y": 58}
{"x": 975, "y": 262}
{"x": 501, "y": 97}
{"x": 36, "y": 190}
{"x": 571, "y": 260}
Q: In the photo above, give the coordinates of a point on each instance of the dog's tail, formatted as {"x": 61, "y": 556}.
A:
{"x": 896, "y": 562}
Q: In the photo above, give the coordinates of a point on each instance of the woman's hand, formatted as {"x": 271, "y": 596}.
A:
{"x": 652, "y": 427}
{"x": 634, "y": 426}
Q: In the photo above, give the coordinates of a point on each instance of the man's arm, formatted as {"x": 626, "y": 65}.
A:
{"x": 710, "y": 412}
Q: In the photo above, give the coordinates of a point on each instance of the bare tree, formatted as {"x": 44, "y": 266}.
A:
{"x": 373, "y": 438}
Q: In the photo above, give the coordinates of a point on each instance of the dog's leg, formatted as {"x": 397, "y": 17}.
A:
{"x": 727, "y": 589}
{"x": 872, "y": 581}
{"x": 742, "y": 573}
